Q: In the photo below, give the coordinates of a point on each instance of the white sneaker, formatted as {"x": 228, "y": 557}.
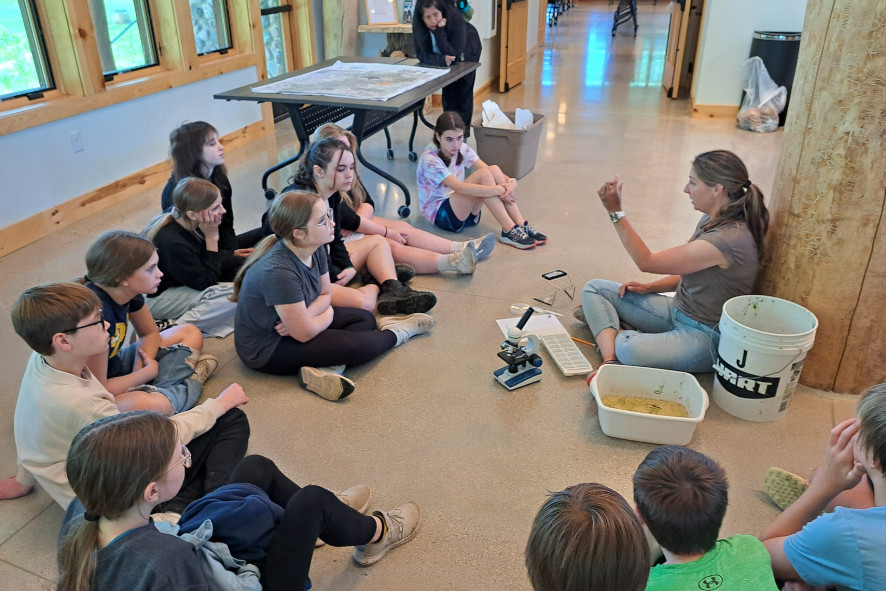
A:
{"x": 465, "y": 260}
{"x": 407, "y": 326}
{"x": 324, "y": 383}
{"x": 402, "y": 525}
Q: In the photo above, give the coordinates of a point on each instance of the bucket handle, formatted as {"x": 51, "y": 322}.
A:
{"x": 715, "y": 354}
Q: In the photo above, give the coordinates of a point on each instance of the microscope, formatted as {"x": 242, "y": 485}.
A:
{"x": 521, "y": 355}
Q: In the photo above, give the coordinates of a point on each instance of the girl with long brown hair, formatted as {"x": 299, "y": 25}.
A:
{"x": 192, "y": 288}
{"x": 427, "y": 253}
{"x": 124, "y": 466}
{"x": 720, "y": 261}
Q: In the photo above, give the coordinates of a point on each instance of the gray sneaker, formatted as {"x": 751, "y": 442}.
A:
{"x": 326, "y": 384}
{"x": 484, "y": 246}
{"x": 535, "y": 234}
{"x": 204, "y": 367}
{"x": 518, "y": 238}
{"x": 402, "y": 525}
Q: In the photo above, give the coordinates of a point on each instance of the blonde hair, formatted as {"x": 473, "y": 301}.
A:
{"x": 116, "y": 255}
{"x": 357, "y": 195}
{"x": 871, "y": 413}
{"x": 289, "y": 211}
{"x": 190, "y": 194}
{"x": 110, "y": 463}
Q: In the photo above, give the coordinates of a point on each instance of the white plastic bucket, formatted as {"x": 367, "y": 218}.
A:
{"x": 763, "y": 342}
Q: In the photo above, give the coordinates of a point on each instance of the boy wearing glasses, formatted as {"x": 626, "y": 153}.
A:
{"x": 59, "y": 395}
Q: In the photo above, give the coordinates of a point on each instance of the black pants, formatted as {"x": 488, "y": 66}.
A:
{"x": 214, "y": 456}
{"x": 351, "y": 339}
{"x": 308, "y": 513}
{"x": 459, "y": 96}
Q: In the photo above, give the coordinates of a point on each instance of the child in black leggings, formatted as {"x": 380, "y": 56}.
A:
{"x": 286, "y": 323}
{"x": 122, "y": 466}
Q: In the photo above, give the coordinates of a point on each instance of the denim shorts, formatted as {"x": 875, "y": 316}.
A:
{"x": 447, "y": 220}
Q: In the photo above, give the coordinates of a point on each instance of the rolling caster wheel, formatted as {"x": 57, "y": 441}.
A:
{"x": 403, "y": 211}
{"x": 413, "y": 156}
{"x": 390, "y": 154}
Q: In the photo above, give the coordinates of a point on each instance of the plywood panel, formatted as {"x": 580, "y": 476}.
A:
{"x": 826, "y": 246}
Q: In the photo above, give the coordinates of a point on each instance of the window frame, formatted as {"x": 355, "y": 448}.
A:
{"x": 150, "y": 17}
{"x": 39, "y": 51}
{"x": 221, "y": 50}
{"x": 72, "y": 54}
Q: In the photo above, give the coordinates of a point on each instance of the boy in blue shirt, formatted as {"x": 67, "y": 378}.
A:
{"x": 844, "y": 548}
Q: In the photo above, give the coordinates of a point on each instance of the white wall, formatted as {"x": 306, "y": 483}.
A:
{"x": 40, "y": 169}
{"x": 727, "y": 31}
{"x": 369, "y": 44}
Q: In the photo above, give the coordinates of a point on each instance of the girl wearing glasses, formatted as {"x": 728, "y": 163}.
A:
{"x": 328, "y": 169}
{"x": 427, "y": 253}
{"x": 286, "y": 322}
{"x": 120, "y": 267}
{"x": 196, "y": 151}
{"x": 122, "y": 467}
{"x": 187, "y": 241}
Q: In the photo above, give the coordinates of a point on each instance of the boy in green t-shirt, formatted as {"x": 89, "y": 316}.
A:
{"x": 681, "y": 496}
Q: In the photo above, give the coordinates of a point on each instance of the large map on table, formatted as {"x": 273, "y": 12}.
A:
{"x": 364, "y": 81}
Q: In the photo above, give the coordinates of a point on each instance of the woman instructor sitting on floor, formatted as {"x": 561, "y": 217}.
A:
{"x": 719, "y": 262}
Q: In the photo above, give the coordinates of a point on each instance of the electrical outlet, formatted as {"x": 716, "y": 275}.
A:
{"x": 76, "y": 141}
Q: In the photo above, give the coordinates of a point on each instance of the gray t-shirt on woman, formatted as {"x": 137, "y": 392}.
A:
{"x": 276, "y": 279}
{"x": 701, "y": 295}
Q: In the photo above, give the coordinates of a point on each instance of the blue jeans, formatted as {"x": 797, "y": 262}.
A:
{"x": 173, "y": 377}
{"x": 664, "y": 337}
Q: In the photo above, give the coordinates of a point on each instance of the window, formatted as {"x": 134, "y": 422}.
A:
{"x": 211, "y": 29}
{"x": 123, "y": 34}
{"x": 274, "y": 36}
{"x": 23, "y": 65}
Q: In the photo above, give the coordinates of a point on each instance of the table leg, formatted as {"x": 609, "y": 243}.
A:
{"x": 357, "y": 128}
{"x": 412, "y": 155}
{"x": 303, "y": 141}
{"x": 421, "y": 113}
{"x": 390, "y": 150}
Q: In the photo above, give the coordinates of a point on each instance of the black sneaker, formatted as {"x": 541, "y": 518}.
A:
{"x": 404, "y": 272}
{"x": 164, "y": 324}
{"x": 517, "y": 237}
{"x": 402, "y": 299}
{"x": 533, "y": 233}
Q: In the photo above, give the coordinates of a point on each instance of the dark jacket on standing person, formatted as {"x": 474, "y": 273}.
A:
{"x": 457, "y": 38}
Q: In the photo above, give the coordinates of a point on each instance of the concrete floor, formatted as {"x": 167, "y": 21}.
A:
{"x": 427, "y": 421}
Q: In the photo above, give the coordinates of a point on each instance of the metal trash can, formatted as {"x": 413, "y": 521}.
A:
{"x": 779, "y": 51}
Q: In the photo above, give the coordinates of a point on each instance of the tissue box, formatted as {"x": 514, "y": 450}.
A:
{"x": 513, "y": 150}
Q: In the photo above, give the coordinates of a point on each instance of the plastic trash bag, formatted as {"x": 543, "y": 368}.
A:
{"x": 523, "y": 119}
{"x": 763, "y": 99}
{"x": 493, "y": 116}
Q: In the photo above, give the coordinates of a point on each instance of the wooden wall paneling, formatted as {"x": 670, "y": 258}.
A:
{"x": 825, "y": 249}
